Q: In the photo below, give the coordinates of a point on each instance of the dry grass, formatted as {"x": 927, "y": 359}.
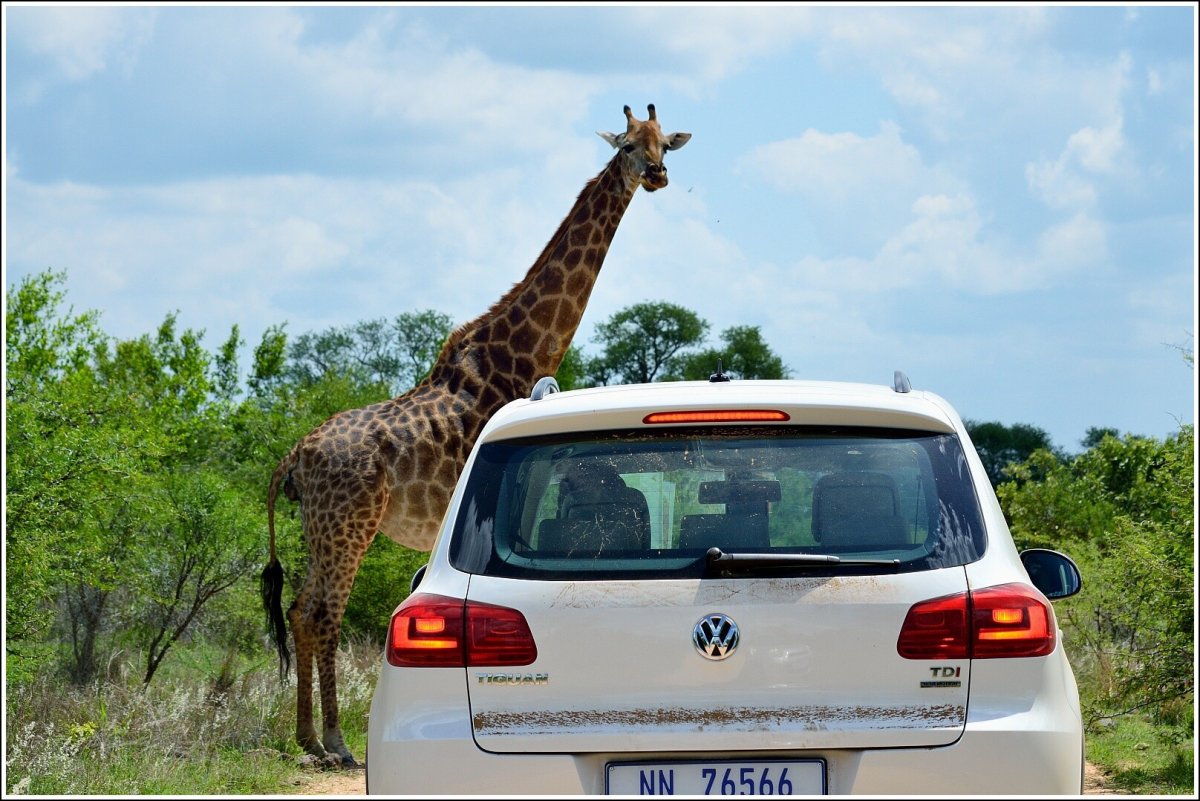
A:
{"x": 187, "y": 733}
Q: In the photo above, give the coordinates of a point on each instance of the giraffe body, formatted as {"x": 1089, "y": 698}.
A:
{"x": 392, "y": 466}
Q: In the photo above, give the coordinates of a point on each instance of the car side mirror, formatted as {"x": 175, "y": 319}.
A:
{"x": 416, "y": 579}
{"x": 1053, "y": 573}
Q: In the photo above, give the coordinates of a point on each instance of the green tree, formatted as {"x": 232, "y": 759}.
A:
{"x": 999, "y": 445}
{"x": 573, "y": 370}
{"x": 1124, "y": 510}
{"x": 395, "y": 354}
{"x": 71, "y": 447}
{"x": 1095, "y": 435}
{"x": 101, "y": 433}
{"x": 743, "y": 355}
{"x": 640, "y": 342}
{"x": 203, "y": 543}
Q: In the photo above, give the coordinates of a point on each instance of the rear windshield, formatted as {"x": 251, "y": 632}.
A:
{"x": 629, "y": 504}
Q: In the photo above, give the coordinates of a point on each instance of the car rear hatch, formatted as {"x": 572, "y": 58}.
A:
{"x": 618, "y": 547}
{"x": 815, "y": 665}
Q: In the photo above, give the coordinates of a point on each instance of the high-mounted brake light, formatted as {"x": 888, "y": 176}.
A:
{"x": 436, "y": 631}
{"x": 1009, "y": 620}
{"x": 719, "y": 416}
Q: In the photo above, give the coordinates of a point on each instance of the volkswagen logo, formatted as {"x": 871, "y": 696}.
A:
{"x": 715, "y": 636}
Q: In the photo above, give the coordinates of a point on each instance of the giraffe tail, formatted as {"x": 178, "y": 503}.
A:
{"x": 271, "y": 581}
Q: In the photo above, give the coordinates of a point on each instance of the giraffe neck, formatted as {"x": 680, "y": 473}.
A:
{"x": 525, "y": 334}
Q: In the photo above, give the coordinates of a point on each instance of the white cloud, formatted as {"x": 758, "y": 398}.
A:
{"x": 449, "y": 100}
{"x": 1154, "y": 82}
{"x": 1078, "y": 242}
{"x": 856, "y": 191}
{"x": 1097, "y": 150}
{"x": 82, "y": 40}
{"x": 1057, "y": 185}
{"x": 1070, "y": 181}
{"x": 838, "y": 167}
{"x": 716, "y": 41}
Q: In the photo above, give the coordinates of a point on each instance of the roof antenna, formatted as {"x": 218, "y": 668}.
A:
{"x": 718, "y": 376}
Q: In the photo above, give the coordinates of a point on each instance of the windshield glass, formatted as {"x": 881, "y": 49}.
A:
{"x": 605, "y": 505}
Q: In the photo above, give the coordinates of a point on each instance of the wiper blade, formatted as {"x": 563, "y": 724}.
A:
{"x": 717, "y": 560}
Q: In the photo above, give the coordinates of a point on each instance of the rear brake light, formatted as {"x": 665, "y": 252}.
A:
{"x": 719, "y": 416}
{"x": 436, "y": 631}
{"x": 1012, "y": 620}
{"x": 1009, "y": 620}
{"x": 936, "y": 629}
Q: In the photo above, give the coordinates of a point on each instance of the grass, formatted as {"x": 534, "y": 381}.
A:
{"x": 1138, "y": 761}
{"x": 225, "y": 730}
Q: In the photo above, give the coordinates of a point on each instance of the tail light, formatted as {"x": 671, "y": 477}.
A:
{"x": 1009, "y": 620}
{"x": 436, "y": 631}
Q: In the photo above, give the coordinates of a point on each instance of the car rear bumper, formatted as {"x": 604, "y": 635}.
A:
{"x": 1015, "y": 742}
{"x": 985, "y": 761}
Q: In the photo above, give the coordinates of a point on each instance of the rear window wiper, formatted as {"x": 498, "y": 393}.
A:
{"x": 717, "y": 561}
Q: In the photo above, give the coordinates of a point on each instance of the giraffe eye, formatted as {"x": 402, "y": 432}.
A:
{"x": 628, "y": 148}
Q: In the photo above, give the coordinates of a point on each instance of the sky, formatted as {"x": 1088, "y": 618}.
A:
{"x": 998, "y": 200}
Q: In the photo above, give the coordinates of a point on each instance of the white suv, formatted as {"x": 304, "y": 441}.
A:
{"x": 727, "y": 588}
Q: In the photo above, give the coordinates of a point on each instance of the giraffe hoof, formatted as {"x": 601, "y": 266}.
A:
{"x": 314, "y": 750}
{"x": 334, "y": 744}
{"x": 343, "y": 756}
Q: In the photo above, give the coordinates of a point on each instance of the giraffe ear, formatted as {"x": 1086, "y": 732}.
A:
{"x": 613, "y": 139}
{"x": 677, "y": 140}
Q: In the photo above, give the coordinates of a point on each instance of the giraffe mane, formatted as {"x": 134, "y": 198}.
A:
{"x": 458, "y": 335}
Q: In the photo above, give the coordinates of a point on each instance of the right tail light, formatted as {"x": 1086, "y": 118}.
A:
{"x": 1008, "y": 620}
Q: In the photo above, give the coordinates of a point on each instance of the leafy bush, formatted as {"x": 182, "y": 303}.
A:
{"x": 1124, "y": 511}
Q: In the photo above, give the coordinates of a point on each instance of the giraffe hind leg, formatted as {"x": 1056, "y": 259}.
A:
{"x": 306, "y": 732}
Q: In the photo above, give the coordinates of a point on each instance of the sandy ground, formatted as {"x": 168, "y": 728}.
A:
{"x": 332, "y": 782}
{"x": 354, "y": 782}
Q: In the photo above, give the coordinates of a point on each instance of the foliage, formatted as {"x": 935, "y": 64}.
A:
{"x": 744, "y": 355}
{"x": 396, "y": 355}
{"x": 999, "y": 445}
{"x": 641, "y": 341}
{"x": 201, "y": 546}
{"x": 572, "y": 371}
{"x": 662, "y": 342}
{"x": 1124, "y": 510}
{"x": 113, "y": 491}
{"x": 72, "y": 447}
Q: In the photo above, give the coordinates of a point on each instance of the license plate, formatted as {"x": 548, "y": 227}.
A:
{"x": 773, "y": 777}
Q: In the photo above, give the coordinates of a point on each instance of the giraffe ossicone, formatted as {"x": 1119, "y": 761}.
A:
{"x": 390, "y": 467}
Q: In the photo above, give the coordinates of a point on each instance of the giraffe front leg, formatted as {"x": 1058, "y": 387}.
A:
{"x": 306, "y": 732}
{"x": 327, "y": 671}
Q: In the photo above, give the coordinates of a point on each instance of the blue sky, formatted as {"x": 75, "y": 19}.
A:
{"x": 999, "y": 200}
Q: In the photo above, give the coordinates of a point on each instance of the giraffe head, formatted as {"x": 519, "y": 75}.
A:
{"x": 642, "y": 147}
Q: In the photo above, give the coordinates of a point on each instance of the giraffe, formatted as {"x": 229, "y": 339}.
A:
{"x": 391, "y": 467}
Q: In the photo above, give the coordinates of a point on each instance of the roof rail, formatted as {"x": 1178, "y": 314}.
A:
{"x": 900, "y": 382}
{"x": 545, "y": 386}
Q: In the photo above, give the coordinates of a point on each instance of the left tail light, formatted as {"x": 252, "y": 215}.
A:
{"x": 437, "y": 631}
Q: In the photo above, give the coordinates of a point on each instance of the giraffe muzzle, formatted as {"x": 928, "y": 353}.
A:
{"x": 654, "y": 177}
